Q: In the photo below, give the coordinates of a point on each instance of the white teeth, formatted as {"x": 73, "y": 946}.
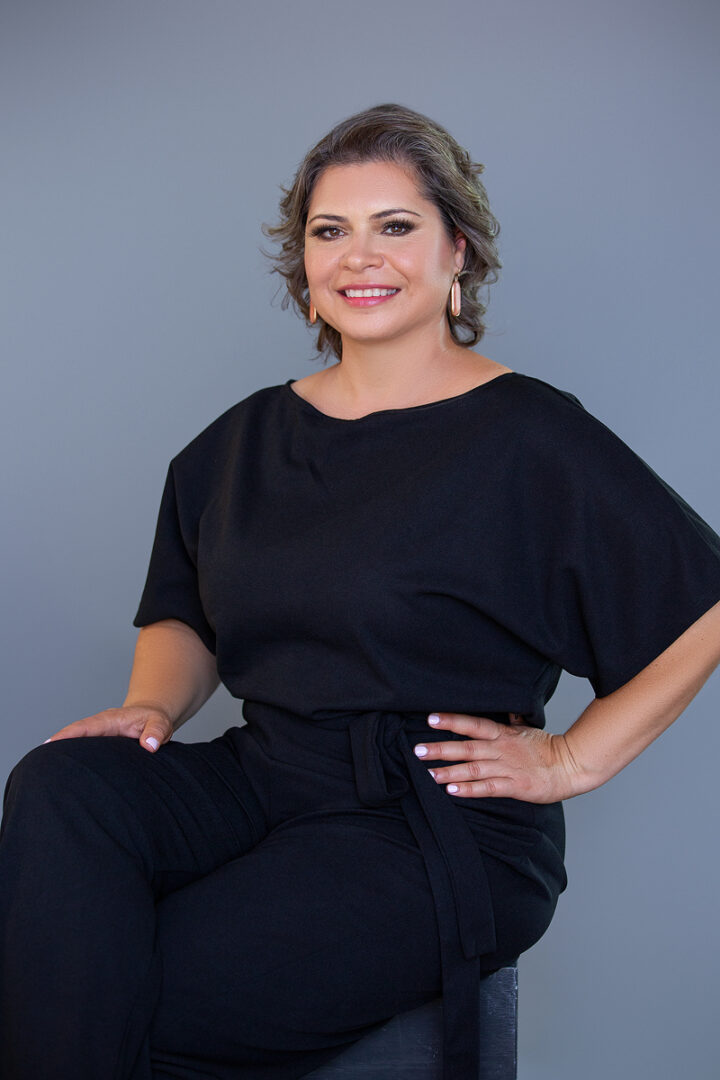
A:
{"x": 355, "y": 293}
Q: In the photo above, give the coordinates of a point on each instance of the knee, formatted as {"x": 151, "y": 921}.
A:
{"x": 32, "y": 769}
{"x": 43, "y": 768}
{"x": 57, "y": 772}
{"x": 46, "y": 764}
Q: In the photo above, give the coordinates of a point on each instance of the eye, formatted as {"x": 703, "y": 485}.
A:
{"x": 398, "y": 227}
{"x": 327, "y": 232}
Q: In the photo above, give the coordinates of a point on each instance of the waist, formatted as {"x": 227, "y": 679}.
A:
{"x": 264, "y": 717}
{"x": 334, "y": 746}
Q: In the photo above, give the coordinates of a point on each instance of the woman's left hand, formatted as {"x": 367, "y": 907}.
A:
{"x": 512, "y": 761}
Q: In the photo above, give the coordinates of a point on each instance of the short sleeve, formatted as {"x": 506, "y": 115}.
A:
{"x": 172, "y": 589}
{"x": 628, "y": 565}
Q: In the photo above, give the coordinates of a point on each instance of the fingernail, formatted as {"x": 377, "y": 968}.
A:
{"x": 421, "y": 751}
{"x": 432, "y": 773}
{"x": 433, "y": 719}
{"x": 152, "y": 741}
{"x": 47, "y": 740}
{"x": 452, "y": 788}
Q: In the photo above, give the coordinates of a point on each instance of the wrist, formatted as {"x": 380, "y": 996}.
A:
{"x": 577, "y": 779}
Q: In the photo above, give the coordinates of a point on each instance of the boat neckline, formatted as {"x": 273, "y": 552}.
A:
{"x": 303, "y": 402}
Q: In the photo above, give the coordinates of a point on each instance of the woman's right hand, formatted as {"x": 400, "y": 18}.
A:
{"x": 150, "y": 724}
{"x": 173, "y": 674}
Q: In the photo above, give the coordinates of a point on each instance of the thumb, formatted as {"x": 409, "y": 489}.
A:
{"x": 157, "y": 730}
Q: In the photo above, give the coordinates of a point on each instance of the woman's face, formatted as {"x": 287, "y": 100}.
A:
{"x": 378, "y": 259}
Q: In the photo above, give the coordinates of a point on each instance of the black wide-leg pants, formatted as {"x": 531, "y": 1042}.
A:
{"x": 210, "y": 911}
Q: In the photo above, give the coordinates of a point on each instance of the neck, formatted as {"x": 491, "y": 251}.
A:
{"x": 395, "y": 374}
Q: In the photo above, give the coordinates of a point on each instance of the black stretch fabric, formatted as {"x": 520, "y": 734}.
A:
{"x": 358, "y": 574}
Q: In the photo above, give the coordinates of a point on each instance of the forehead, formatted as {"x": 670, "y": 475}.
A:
{"x": 365, "y": 188}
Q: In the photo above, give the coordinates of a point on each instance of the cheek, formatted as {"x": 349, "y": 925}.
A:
{"x": 444, "y": 262}
{"x": 318, "y": 266}
{"x": 432, "y": 264}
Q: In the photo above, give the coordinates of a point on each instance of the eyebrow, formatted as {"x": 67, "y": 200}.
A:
{"x": 373, "y": 217}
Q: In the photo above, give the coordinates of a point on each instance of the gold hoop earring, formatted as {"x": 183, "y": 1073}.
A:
{"x": 456, "y": 296}
{"x": 312, "y": 314}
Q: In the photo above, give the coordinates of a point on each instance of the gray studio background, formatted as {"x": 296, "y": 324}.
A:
{"x": 142, "y": 143}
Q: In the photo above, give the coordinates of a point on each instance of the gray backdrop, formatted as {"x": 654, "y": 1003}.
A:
{"x": 142, "y": 145}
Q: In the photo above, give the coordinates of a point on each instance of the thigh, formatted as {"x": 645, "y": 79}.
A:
{"x": 273, "y": 962}
{"x": 173, "y": 813}
{"x": 95, "y": 830}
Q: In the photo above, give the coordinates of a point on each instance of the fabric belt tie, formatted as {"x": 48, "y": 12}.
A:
{"x": 387, "y": 771}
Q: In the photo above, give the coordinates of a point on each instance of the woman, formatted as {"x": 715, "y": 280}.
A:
{"x": 411, "y": 529}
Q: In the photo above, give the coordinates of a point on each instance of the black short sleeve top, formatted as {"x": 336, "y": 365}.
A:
{"x": 452, "y": 556}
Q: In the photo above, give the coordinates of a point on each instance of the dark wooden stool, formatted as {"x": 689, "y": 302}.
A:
{"x": 409, "y": 1047}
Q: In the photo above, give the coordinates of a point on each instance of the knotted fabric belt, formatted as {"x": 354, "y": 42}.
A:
{"x": 387, "y": 770}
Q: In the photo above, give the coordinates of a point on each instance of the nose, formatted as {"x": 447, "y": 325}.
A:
{"x": 362, "y": 251}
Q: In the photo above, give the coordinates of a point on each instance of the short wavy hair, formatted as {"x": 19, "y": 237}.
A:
{"x": 446, "y": 176}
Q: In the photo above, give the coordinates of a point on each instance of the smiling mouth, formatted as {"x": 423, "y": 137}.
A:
{"x": 360, "y": 294}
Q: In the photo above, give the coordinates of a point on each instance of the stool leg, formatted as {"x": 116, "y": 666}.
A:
{"x": 498, "y": 1025}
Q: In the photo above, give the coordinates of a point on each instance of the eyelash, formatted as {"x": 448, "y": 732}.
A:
{"x": 406, "y": 226}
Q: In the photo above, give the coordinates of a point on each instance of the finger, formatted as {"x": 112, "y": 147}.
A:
{"x": 478, "y": 727}
{"x": 91, "y": 725}
{"x": 469, "y": 771}
{"x": 107, "y": 722}
{"x": 499, "y": 787}
{"x": 157, "y": 731}
{"x": 458, "y": 750}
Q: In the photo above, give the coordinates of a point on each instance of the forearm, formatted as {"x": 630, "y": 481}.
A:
{"x": 172, "y": 671}
{"x": 613, "y": 730}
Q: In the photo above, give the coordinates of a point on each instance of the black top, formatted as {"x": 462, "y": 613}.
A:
{"x": 354, "y": 575}
{"x": 452, "y": 556}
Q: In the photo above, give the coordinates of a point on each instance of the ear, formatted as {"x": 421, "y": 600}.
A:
{"x": 460, "y": 246}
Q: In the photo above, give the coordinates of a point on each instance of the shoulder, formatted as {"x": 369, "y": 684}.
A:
{"x": 238, "y": 423}
{"x": 543, "y": 406}
{"x": 542, "y": 431}
{"x": 554, "y": 423}
{"x": 574, "y": 461}
{"x": 567, "y": 459}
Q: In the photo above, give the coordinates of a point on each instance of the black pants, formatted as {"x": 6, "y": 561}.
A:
{"x": 212, "y": 911}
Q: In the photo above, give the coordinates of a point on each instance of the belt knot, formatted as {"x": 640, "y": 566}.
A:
{"x": 380, "y": 769}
